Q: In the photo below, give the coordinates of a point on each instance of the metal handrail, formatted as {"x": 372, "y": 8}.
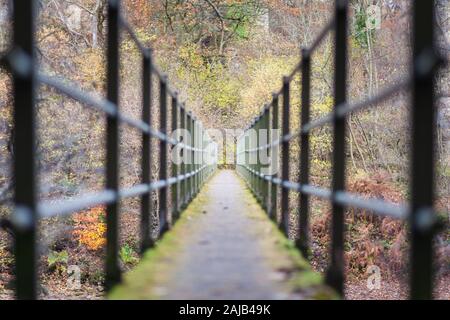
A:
{"x": 180, "y": 187}
{"x": 266, "y": 186}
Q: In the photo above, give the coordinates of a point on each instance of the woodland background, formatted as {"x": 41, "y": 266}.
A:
{"x": 225, "y": 57}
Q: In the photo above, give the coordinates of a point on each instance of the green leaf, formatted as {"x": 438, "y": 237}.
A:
{"x": 56, "y": 257}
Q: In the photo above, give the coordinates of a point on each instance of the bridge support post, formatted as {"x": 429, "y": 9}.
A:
{"x": 146, "y": 203}
{"x": 175, "y": 166}
{"x": 251, "y": 155}
{"x": 303, "y": 240}
{"x": 192, "y": 157}
{"x": 285, "y": 157}
{"x": 183, "y": 151}
{"x": 113, "y": 274}
{"x": 188, "y": 157}
{"x": 258, "y": 159}
{"x": 266, "y": 196}
{"x": 274, "y": 150}
{"x": 335, "y": 274}
{"x": 196, "y": 154}
{"x": 24, "y": 217}
{"x": 422, "y": 217}
{"x": 163, "y": 208}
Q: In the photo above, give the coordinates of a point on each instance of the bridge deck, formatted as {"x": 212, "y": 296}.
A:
{"x": 223, "y": 247}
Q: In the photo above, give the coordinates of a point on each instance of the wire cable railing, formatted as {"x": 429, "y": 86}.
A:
{"x": 178, "y": 189}
{"x": 265, "y": 184}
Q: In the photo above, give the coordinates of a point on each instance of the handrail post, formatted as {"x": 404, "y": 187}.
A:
{"x": 266, "y": 197}
{"x": 274, "y": 156}
{"x": 113, "y": 274}
{"x": 163, "y": 208}
{"x": 202, "y": 147}
{"x": 251, "y": 157}
{"x": 24, "y": 217}
{"x": 174, "y": 164}
{"x": 285, "y": 157}
{"x": 201, "y": 154}
{"x": 239, "y": 154}
{"x": 254, "y": 156}
{"x": 243, "y": 156}
{"x": 196, "y": 129}
{"x": 258, "y": 160}
{"x": 192, "y": 158}
{"x": 146, "y": 205}
{"x": 205, "y": 163}
{"x": 199, "y": 128}
{"x": 193, "y": 131}
{"x": 260, "y": 164}
{"x": 335, "y": 274}
{"x": 422, "y": 217}
{"x": 183, "y": 157}
{"x": 189, "y": 158}
{"x": 303, "y": 241}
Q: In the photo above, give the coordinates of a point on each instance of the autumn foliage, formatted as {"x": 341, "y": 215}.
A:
{"x": 90, "y": 228}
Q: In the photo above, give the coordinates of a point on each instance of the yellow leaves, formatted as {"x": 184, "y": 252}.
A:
{"x": 91, "y": 66}
{"x": 190, "y": 57}
{"x": 323, "y": 107}
{"x": 5, "y": 83}
{"x": 5, "y": 257}
{"x": 90, "y": 228}
{"x": 129, "y": 46}
{"x": 223, "y": 90}
{"x": 264, "y": 77}
{"x": 5, "y": 93}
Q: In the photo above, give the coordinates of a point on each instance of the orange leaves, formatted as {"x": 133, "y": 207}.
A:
{"x": 375, "y": 186}
{"x": 90, "y": 228}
